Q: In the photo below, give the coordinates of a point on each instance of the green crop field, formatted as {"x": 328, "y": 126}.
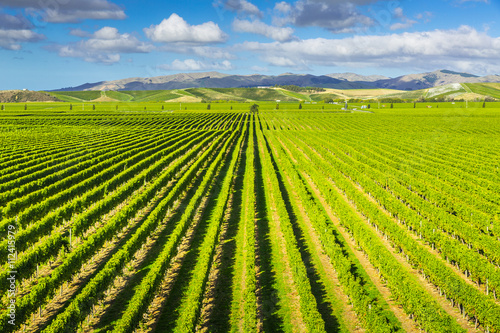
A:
{"x": 183, "y": 217}
{"x": 486, "y": 89}
{"x": 77, "y": 96}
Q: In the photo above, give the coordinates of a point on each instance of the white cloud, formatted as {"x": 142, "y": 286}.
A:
{"x": 15, "y": 30}
{"x": 336, "y": 16}
{"x": 462, "y": 49}
{"x": 14, "y": 22}
{"x": 260, "y": 28}
{"x": 210, "y": 52}
{"x": 11, "y": 39}
{"x": 403, "y": 25}
{"x": 277, "y": 60}
{"x": 176, "y": 30}
{"x": 283, "y": 7}
{"x": 104, "y": 45}
{"x": 63, "y": 11}
{"x": 398, "y": 12}
{"x": 239, "y": 6}
{"x": 405, "y": 22}
{"x": 80, "y": 33}
{"x": 196, "y": 65}
{"x": 74, "y": 16}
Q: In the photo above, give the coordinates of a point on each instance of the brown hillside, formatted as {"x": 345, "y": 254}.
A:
{"x": 22, "y": 96}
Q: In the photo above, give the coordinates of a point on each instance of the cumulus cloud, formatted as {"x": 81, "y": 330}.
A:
{"x": 11, "y": 39}
{"x": 176, "y": 30}
{"x": 210, "y": 52}
{"x": 336, "y": 16}
{"x": 405, "y": 21}
{"x": 282, "y": 61}
{"x": 14, "y": 22}
{"x": 239, "y": 6}
{"x": 281, "y": 34}
{"x": 105, "y": 46}
{"x": 15, "y": 30}
{"x": 464, "y": 49}
{"x": 398, "y": 12}
{"x": 64, "y": 11}
{"x": 80, "y": 33}
{"x": 283, "y": 7}
{"x": 196, "y": 65}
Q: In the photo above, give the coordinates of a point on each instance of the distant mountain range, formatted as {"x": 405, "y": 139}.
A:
{"x": 335, "y": 81}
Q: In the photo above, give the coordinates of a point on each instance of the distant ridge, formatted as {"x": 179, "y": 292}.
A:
{"x": 335, "y": 81}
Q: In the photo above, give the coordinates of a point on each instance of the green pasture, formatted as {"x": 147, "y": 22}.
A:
{"x": 224, "y": 106}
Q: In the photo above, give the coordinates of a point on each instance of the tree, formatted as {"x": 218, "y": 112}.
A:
{"x": 208, "y": 107}
{"x": 300, "y": 106}
{"x": 163, "y": 107}
{"x": 231, "y": 107}
{"x": 254, "y": 108}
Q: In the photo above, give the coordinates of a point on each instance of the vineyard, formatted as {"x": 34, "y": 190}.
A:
{"x": 293, "y": 220}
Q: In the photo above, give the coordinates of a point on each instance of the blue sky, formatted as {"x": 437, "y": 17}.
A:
{"x": 50, "y": 44}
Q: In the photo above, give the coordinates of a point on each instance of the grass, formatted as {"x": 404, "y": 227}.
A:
{"x": 119, "y": 96}
{"x": 77, "y": 96}
{"x": 296, "y": 95}
{"x": 322, "y": 97}
{"x": 467, "y": 91}
{"x": 223, "y": 106}
{"x": 487, "y": 89}
{"x": 256, "y": 94}
{"x": 213, "y": 94}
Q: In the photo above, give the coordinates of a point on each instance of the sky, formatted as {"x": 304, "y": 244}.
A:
{"x": 51, "y": 44}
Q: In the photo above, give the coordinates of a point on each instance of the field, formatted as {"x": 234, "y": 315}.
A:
{"x": 179, "y": 217}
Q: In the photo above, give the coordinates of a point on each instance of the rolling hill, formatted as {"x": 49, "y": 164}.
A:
{"x": 465, "y": 91}
{"x": 333, "y": 81}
